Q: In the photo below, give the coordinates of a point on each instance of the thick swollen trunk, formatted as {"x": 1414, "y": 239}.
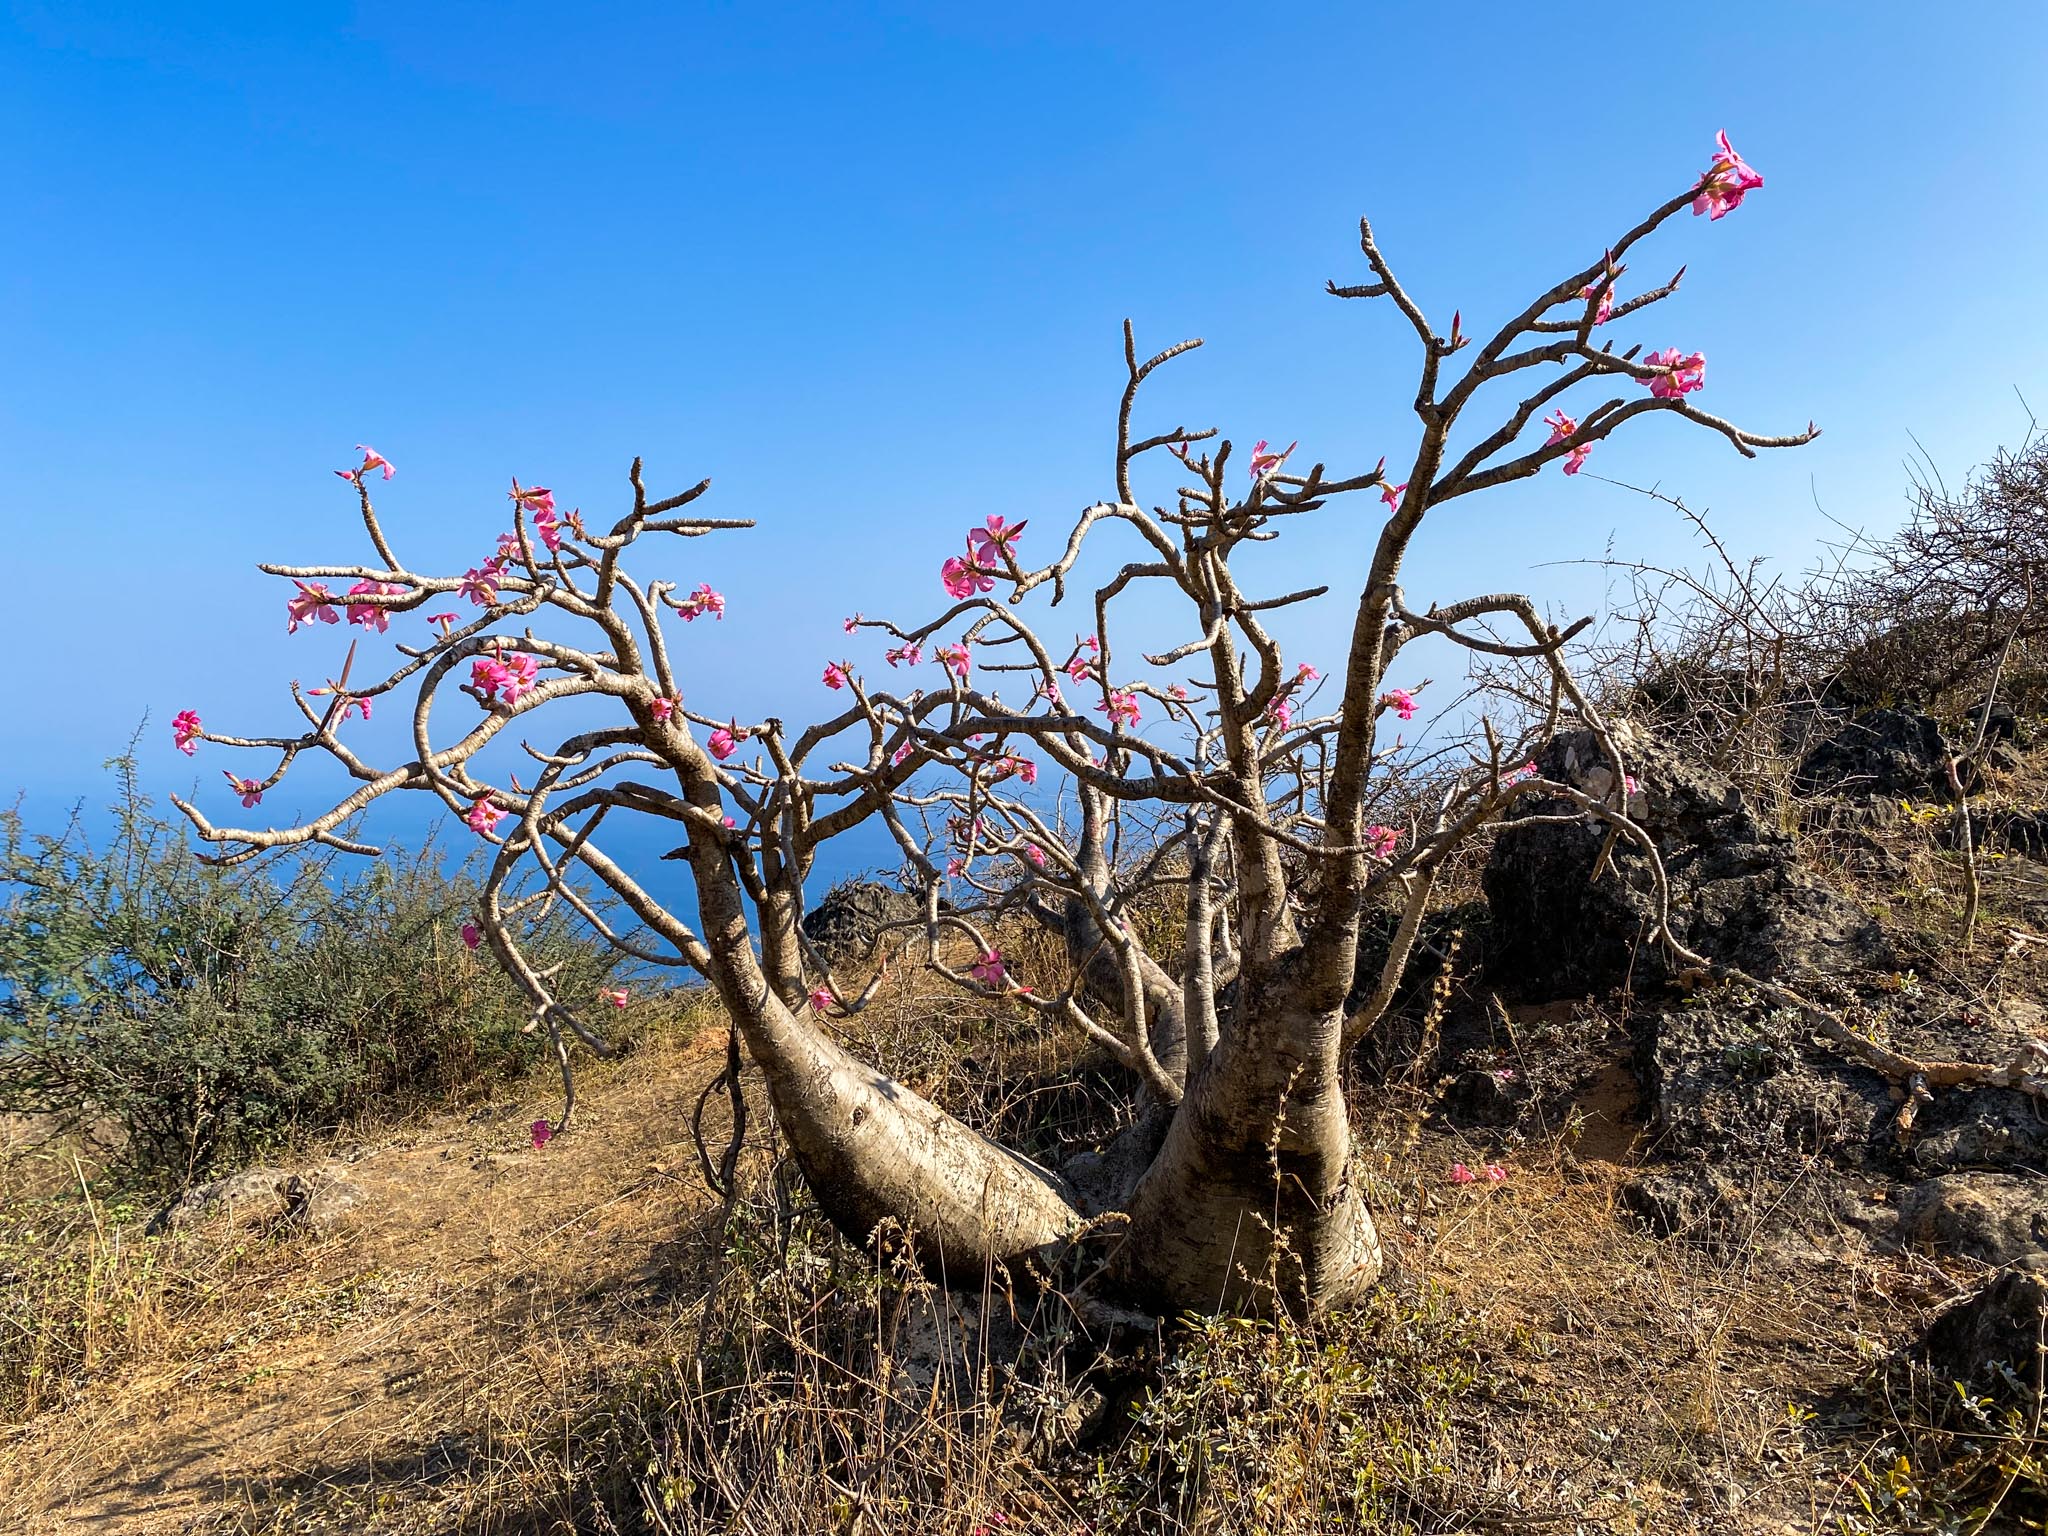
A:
{"x": 1252, "y": 1203}
{"x": 872, "y": 1151}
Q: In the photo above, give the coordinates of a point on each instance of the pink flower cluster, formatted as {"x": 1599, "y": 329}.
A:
{"x": 1280, "y": 712}
{"x": 1493, "y": 1173}
{"x": 313, "y": 605}
{"x": 186, "y": 730}
{"x": 989, "y": 553}
{"x": 699, "y": 602}
{"x": 511, "y": 675}
{"x": 1121, "y": 706}
{"x": 1726, "y": 182}
{"x": 1400, "y": 701}
{"x": 370, "y": 615}
{"x": 989, "y": 970}
{"x": 1381, "y": 841}
{"x": 1677, "y": 374}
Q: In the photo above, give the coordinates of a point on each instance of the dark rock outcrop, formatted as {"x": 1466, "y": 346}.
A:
{"x": 1739, "y": 894}
{"x": 1989, "y": 1342}
{"x": 849, "y": 921}
{"x": 1882, "y": 753}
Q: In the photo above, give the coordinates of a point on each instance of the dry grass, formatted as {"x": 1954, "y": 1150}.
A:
{"x": 580, "y": 1339}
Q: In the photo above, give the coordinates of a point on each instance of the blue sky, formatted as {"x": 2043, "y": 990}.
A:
{"x": 865, "y": 267}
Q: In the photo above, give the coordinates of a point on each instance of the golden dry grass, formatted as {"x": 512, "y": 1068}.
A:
{"x": 499, "y": 1321}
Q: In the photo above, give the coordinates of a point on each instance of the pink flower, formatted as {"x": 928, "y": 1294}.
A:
{"x": 1306, "y": 674}
{"x": 1077, "y": 667}
{"x": 963, "y": 578}
{"x": 661, "y": 707}
{"x": 372, "y": 459}
{"x": 616, "y": 996}
{"x": 479, "y": 585}
{"x": 899, "y": 754}
{"x": 1629, "y": 782}
{"x": 1391, "y": 494}
{"x": 1606, "y": 310}
{"x": 908, "y": 655}
{"x": 471, "y": 936}
{"x": 313, "y": 605}
{"x": 728, "y": 822}
{"x": 989, "y": 970}
{"x": 990, "y": 544}
{"x": 821, "y": 1000}
{"x": 850, "y": 625}
{"x": 522, "y": 676}
{"x": 1178, "y": 693}
{"x": 445, "y": 620}
{"x": 484, "y": 817}
{"x": 1027, "y": 770}
{"x": 1036, "y": 855}
{"x": 543, "y": 1133}
{"x": 836, "y": 676}
{"x": 956, "y": 866}
{"x": 534, "y": 498}
{"x": 1121, "y": 706}
{"x": 1561, "y": 427}
{"x": 1727, "y": 181}
{"x": 701, "y": 601}
{"x": 1400, "y": 701}
{"x": 1281, "y": 712}
{"x": 1381, "y": 840}
{"x": 1264, "y": 463}
{"x": 1495, "y": 1174}
{"x": 549, "y": 527}
{"x": 487, "y": 675}
{"x": 1460, "y": 1174}
{"x": 1526, "y": 771}
{"x": 186, "y": 730}
{"x": 350, "y": 704}
{"x": 726, "y": 740}
{"x": 1677, "y": 375}
{"x": 250, "y": 791}
{"x": 954, "y": 659}
{"x": 369, "y": 615}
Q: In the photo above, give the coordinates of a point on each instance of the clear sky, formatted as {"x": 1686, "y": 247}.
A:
{"x": 865, "y": 266}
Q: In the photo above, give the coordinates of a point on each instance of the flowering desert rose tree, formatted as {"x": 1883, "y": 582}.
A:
{"x": 1219, "y": 767}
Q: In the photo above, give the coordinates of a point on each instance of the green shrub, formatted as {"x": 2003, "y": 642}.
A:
{"x": 211, "y": 1014}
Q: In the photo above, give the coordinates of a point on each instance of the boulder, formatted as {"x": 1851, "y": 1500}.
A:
{"x": 1995, "y": 1217}
{"x": 248, "y": 1196}
{"x": 1690, "y": 1200}
{"x": 317, "y": 1199}
{"x": 1750, "y": 1084}
{"x": 1739, "y": 893}
{"x": 1989, "y": 1341}
{"x": 849, "y": 919}
{"x": 320, "y": 1200}
{"x": 1891, "y": 754}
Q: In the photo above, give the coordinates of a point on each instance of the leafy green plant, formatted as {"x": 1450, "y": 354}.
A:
{"x": 208, "y": 1015}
